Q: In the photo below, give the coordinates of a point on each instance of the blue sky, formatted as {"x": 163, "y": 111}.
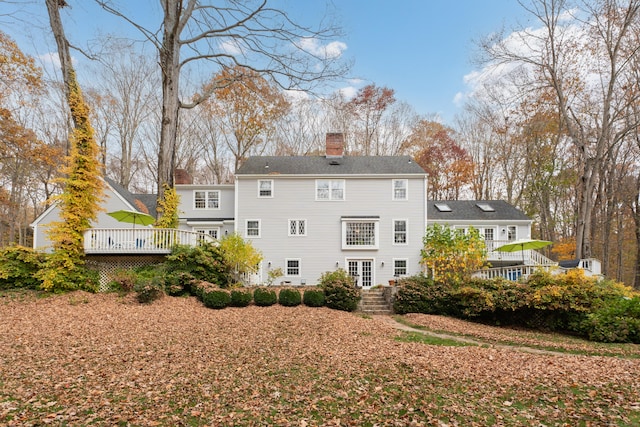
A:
{"x": 420, "y": 48}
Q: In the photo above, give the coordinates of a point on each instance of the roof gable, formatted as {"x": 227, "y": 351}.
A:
{"x": 321, "y": 165}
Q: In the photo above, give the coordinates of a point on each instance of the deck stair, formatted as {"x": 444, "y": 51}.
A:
{"x": 374, "y": 302}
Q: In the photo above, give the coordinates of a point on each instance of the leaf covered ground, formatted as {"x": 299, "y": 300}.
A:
{"x": 82, "y": 359}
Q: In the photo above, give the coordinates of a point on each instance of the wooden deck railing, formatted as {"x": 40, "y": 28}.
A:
{"x": 139, "y": 240}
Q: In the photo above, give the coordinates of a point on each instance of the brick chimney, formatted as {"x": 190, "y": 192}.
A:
{"x": 181, "y": 176}
{"x": 335, "y": 145}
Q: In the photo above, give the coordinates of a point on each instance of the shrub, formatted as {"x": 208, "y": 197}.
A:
{"x": 289, "y": 297}
{"x": 123, "y": 281}
{"x": 149, "y": 289}
{"x": 240, "y": 297}
{"x": 313, "y": 297}
{"x": 178, "y": 283}
{"x": 204, "y": 262}
{"x": 618, "y": 322}
{"x": 340, "y": 293}
{"x": 421, "y": 294}
{"x": 18, "y": 266}
{"x": 264, "y": 297}
{"x": 216, "y": 298}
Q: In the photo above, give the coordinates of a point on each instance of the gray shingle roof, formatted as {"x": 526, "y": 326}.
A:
{"x": 468, "y": 210}
{"x": 321, "y": 165}
{"x": 149, "y": 200}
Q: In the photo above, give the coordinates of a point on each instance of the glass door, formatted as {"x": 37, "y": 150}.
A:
{"x": 362, "y": 272}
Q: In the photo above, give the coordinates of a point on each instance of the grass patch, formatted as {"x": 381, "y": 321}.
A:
{"x": 431, "y": 340}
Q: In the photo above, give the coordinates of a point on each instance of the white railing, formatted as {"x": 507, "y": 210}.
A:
{"x": 529, "y": 256}
{"x": 514, "y": 272}
{"x": 139, "y": 240}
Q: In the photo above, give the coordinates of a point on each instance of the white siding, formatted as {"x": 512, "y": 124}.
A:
{"x": 321, "y": 249}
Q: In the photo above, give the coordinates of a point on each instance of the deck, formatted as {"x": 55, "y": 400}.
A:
{"x": 139, "y": 240}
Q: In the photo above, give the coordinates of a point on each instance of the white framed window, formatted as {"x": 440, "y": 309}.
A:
{"x": 400, "y": 189}
{"x": 399, "y": 267}
{"x": 292, "y": 267}
{"x": 360, "y": 233}
{"x": 203, "y": 199}
{"x": 252, "y": 228}
{"x": 489, "y": 234}
{"x": 297, "y": 227}
{"x": 214, "y": 233}
{"x": 400, "y": 231}
{"x": 512, "y": 233}
{"x": 330, "y": 189}
{"x": 265, "y": 188}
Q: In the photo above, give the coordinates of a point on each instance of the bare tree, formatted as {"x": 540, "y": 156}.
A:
{"x": 245, "y": 33}
{"x": 586, "y": 64}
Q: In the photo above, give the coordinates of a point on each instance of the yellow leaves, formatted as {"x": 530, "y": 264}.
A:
{"x": 168, "y": 208}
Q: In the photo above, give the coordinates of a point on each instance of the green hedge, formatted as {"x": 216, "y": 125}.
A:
{"x": 264, "y": 297}
{"x": 18, "y": 267}
{"x": 289, "y": 297}
{"x": 570, "y": 302}
{"x": 313, "y": 297}
{"x": 340, "y": 293}
{"x": 216, "y": 298}
{"x": 241, "y": 297}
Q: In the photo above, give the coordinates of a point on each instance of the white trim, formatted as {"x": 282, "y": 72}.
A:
{"x": 376, "y": 235}
{"x": 246, "y": 228}
{"x": 271, "y": 190}
{"x": 286, "y": 267}
{"x": 406, "y": 232}
{"x": 298, "y": 220}
{"x": 360, "y": 259}
{"x": 330, "y": 181}
{"x": 406, "y": 189}
{"x": 406, "y": 260}
{"x": 206, "y": 200}
{"x": 206, "y": 229}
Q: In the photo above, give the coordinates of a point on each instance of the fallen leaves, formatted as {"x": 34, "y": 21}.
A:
{"x": 110, "y": 361}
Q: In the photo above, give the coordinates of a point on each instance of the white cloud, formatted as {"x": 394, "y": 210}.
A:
{"x": 50, "y": 59}
{"x": 231, "y": 47}
{"x": 348, "y": 92}
{"x": 331, "y": 51}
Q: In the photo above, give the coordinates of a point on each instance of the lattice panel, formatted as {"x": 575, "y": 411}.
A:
{"x": 107, "y": 266}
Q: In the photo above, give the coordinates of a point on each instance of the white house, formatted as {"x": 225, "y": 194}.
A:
{"x": 313, "y": 214}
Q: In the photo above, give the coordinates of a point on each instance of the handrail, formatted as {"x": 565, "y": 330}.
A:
{"x": 139, "y": 240}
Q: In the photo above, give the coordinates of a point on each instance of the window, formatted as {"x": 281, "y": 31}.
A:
{"x": 253, "y": 228}
{"x": 297, "y": 227}
{"x": 511, "y": 233}
{"x": 488, "y": 234}
{"x": 330, "y": 189}
{"x": 206, "y": 199}
{"x": 265, "y": 188}
{"x": 400, "y": 231}
{"x": 359, "y": 234}
{"x": 399, "y": 267}
{"x": 400, "y": 189}
{"x": 442, "y": 207}
{"x": 211, "y": 232}
{"x": 293, "y": 267}
{"x": 485, "y": 207}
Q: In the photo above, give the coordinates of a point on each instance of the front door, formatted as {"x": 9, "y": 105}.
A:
{"x": 362, "y": 272}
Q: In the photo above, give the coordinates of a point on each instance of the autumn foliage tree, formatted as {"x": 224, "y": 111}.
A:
{"x": 368, "y": 107}
{"x": 448, "y": 165}
{"x": 452, "y": 255}
{"x": 246, "y": 106}
{"x": 79, "y": 202}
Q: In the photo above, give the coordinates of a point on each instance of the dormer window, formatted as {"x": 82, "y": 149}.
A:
{"x": 443, "y": 207}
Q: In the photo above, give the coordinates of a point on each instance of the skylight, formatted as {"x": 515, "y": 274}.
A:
{"x": 485, "y": 207}
{"x": 443, "y": 207}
